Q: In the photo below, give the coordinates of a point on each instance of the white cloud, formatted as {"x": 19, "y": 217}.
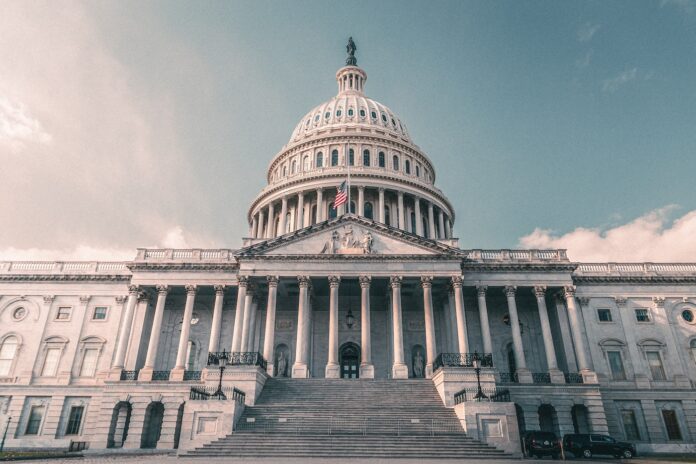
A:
{"x": 587, "y": 31}
{"x": 584, "y": 61}
{"x": 687, "y": 6}
{"x": 18, "y": 127}
{"x": 651, "y": 237}
{"x": 611, "y": 85}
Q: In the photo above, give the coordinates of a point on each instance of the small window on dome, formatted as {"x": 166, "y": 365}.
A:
{"x": 384, "y": 117}
{"x": 351, "y": 157}
{"x": 374, "y": 115}
{"x": 417, "y": 171}
{"x": 320, "y": 159}
{"x": 407, "y": 166}
{"x": 339, "y": 113}
{"x": 362, "y": 113}
{"x": 393, "y": 122}
{"x": 308, "y": 121}
{"x": 327, "y": 115}
{"x": 366, "y": 157}
{"x": 316, "y": 118}
{"x": 381, "y": 159}
{"x": 334, "y": 158}
{"x": 395, "y": 163}
{"x": 350, "y": 111}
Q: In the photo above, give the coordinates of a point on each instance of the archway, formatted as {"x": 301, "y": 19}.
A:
{"x": 418, "y": 361}
{"x": 120, "y": 421}
{"x": 580, "y": 415}
{"x": 152, "y": 426}
{"x": 177, "y": 428}
{"x": 548, "y": 419}
{"x": 349, "y": 359}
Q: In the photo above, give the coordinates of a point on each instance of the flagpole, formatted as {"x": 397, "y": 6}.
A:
{"x": 348, "y": 164}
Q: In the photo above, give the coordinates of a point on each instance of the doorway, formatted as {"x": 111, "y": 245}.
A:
{"x": 154, "y": 414}
{"x": 349, "y": 359}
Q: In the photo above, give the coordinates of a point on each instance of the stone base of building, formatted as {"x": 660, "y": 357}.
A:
{"x": 300, "y": 371}
{"x": 333, "y": 371}
{"x": 249, "y": 379}
{"x": 205, "y": 421}
{"x": 177, "y": 374}
{"x": 367, "y": 371}
{"x": 452, "y": 380}
{"x": 492, "y": 423}
{"x": 400, "y": 371}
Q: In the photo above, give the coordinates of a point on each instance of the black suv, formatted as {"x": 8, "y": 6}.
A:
{"x": 541, "y": 444}
{"x": 587, "y": 445}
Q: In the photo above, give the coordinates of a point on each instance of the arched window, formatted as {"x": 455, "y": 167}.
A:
{"x": 352, "y": 207}
{"x": 8, "y": 351}
{"x": 293, "y": 170}
{"x": 320, "y": 159}
{"x": 285, "y": 171}
{"x": 395, "y": 163}
{"x": 305, "y": 163}
{"x": 334, "y": 158}
{"x": 366, "y": 157}
{"x": 407, "y": 166}
{"x": 351, "y": 157}
{"x": 368, "y": 210}
{"x": 387, "y": 216}
{"x": 381, "y": 159}
{"x": 417, "y": 170}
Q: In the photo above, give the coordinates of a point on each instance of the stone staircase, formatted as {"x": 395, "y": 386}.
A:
{"x": 348, "y": 418}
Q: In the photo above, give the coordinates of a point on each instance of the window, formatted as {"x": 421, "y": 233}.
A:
{"x": 688, "y": 316}
{"x": 334, "y": 158}
{"x": 655, "y": 362}
{"x": 384, "y": 117}
{"x": 616, "y": 365}
{"x": 99, "y": 313}
{"x": 305, "y": 163}
{"x": 293, "y": 170}
{"x": 362, "y": 113}
{"x": 89, "y": 362}
{"x": 51, "y": 362}
{"x": 642, "y": 315}
{"x": 381, "y": 159}
{"x": 366, "y": 157}
{"x": 338, "y": 113}
{"x": 63, "y": 313}
{"x": 374, "y": 115}
{"x": 368, "y": 210}
{"x": 395, "y": 163}
{"x": 34, "y": 422}
{"x": 669, "y": 416}
{"x": 628, "y": 417}
{"x": 8, "y": 351}
{"x": 316, "y": 118}
{"x": 417, "y": 170}
{"x": 351, "y": 157}
{"x": 413, "y": 222}
{"x": 327, "y": 115}
{"x": 407, "y": 166}
{"x": 320, "y": 159}
{"x": 350, "y": 112}
{"x": 285, "y": 171}
{"x": 74, "y": 420}
{"x": 352, "y": 207}
{"x": 604, "y": 315}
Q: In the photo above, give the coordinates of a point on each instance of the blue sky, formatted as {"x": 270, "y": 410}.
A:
{"x": 550, "y": 123}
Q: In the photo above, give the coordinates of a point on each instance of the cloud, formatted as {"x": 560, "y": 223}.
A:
{"x": 18, "y": 127}
{"x": 687, "y": 6}
{"x": 611, "y": 85}
{"x": 651, "y": 237}
{"x": 584, "y": 61}
{"x": 587, "y": 31}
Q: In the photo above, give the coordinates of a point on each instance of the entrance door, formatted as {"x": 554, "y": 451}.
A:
{"x": 350, "y": 361}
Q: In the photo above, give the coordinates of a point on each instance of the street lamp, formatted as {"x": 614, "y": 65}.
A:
{"x": 220, "y": 359}
{"x": 480, "y": 396}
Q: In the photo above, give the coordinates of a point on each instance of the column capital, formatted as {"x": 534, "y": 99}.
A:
{"x": 399, "y": 193}
{"x": 569, "y": 291}
{"x": 457, "y": 281}
{"x": 272, "y": 281}
{"x": 427, "y": 281}
{"x": 659, "y": 301}
{"x": 162, "y": 289}
{"x": 509, "y": 290}
{"x": 219, "y": 289}
{"x": 133, "y": 289}
{"x": 481, "y": 290}
{"x": 365, "y": 281}
{"x": 361, "y": 187}
{"x": 539, "y": 291}
{"x": 120, "y": 299}
{"x": 242, "y": 281}
{"x": 381, "y": 189}
{"x": 84, "y": 299}
{"x": 303, "y": 281}
{"x": 430, "y": 205}
{"x": 334, "y": 281}
{"x": 190, "y": 289}
{"x": 395, "y": 281}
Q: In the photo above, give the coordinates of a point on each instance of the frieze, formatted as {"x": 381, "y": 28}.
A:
{"x": 415, "y": 325}
{"x": 285, "y": 325}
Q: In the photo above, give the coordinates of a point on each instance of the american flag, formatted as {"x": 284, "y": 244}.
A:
{"x": 341, "y": 195}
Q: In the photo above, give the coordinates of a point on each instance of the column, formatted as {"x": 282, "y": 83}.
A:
{"x": 523, "y": 374}
{"x": 214, "y": 343}
{"x": 448, "y": 228}
{"x": 332, "y": 368}
{"x": 407, "y": 220}
{"x": 483, "y": 317}
{"x": 399, "y": 369}
{"x": 239, "y": 314}
{"x": 145, "y": 373}
{"x": 251, "y": 338}
{"x": 259, "y": 226}
{"x": 177, "y": 374}
{"x": 430, "y": 348}
{"x": 431, "y": 222}
{"x": 269, "y": 336}
{"x": 252, "y": 231}
{"x": 320, "y": 206}
{"x": 578, "y": 340}
{"x": 462, "y": 338}
{"x": 282, "y": 229}
{"x": 367, "y": 370}
{"x": 270, "y": 233}
{"x": 381, "y": 205}
{"x": 300, "y": 368}
{"x": 402, "y": 213}
{"x": 453, "y": 345}
{"x": 299, "y": 213}
{"x": 419, "y": 221}
{"x": 361, "y": 201}
{"x": 246, "y": 322}
{"x": 124, "y": 336}
{"x": 441, "y": 223}
{"x": 556, "y": 374}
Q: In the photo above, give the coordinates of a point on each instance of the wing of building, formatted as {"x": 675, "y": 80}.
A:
{"x": 347, "y": 315}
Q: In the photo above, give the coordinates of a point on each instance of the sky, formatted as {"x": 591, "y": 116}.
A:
{"x": 551, "y": 124}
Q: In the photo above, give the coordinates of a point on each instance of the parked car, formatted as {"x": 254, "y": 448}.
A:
{"x": 585, "y": 445}
{"x": 539, "y": 444}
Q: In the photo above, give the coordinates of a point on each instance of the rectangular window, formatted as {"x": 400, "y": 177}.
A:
{"x": 671, "y": 424}
{"x": 628, "y": 417}
{"x": 34, "y": 422}
{"x": 63, "y": 313}
{"x": 655, "y": 362}
{"x": 51, "y": 362}
{"x": 616, "y": 365}
{"x": 642, "y": 315}
{"x": 74, "y": 420}
{"x": 99, "y": 313}
{"x": 604, "y": 315}
{"x": 89, "y": 362}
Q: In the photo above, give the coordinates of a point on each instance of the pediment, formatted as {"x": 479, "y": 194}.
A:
{"x": 350, "y": 236}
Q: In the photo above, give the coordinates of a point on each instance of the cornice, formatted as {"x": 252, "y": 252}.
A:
{"x": 64, "y": 277}
{"x": 649, "y": 280}
{"x": 518, "y": 267}
{"x": 183, "y": 266}
{"x": 361, "y": 258}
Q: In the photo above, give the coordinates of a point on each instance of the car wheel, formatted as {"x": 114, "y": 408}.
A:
{"x": 586, "y": 453}
{"x": 627, "y": 454}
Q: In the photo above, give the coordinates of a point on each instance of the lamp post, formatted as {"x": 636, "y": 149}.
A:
{"x": 480, "y": 396}
{"x": 219, "y": 359}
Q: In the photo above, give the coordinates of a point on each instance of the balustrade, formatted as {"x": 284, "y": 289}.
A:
{"x": 462, "y": 360}
{"x": 493, "y": 395}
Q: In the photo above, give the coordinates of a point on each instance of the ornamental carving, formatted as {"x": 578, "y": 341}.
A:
{"x": 365, "y": 281}
{"x": 162, "y": 289}
{"x": 219, "y": 289}
{"x": 620, "y": 300}
{"x": 457, "y": 281}
{"x": 481, "y": 290}
{"x": 348, "y": 242}
{"x": 569, "y": 291}
{"x": 303, "y": 281}
{"x": 659, "y": 301}
{"x": 395, "y": 281}
{"x": 272, "y": 281}
{"x": 242, "y": 281}
{"x": 334, "y": 281}
{"x": 284, "y": 324}
{"x": 427, "y": 281}
{"x": 509, "y": 291}
{"x": 584, "y": 301}
{"x": 539, "y": 291}
{"x": 190, "y": 289}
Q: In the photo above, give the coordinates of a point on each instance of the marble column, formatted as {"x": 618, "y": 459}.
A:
{"x": 419, "y": 220}
{"x": 462, "y": 338}
{"x": 441, "y": 223}
{"x": 300, "y": 368}
{"x": 269, "y": 335}
{"x": 451, "y": 313}
{"x": 320, "y": 205}
{"x": 251, "y": 339}
{"x": 431, "y": 222}
{"x": 239, "y": 314}
{"x": 270, "y": 230}
{"x": 402, "y": 213}
{"x": 252, "y": 229}
{"x": 381, "y": 205}
{"x": 523, "y": 373}
{"x": 483, "y": 317}
{"x": 332, "y": 368}
{"x": 367, "y": 370}
{"x": 177, "y": 374}
{"x": 399, "y": 368}
{"x": 246, "y": 322}
{"x": 260, "y": 226}
{"x": 361, "y": 201}
{"x": 578, "y": 341}
{"x": 125, "y": 333}
{"x": 145, "y": 373}
{"x": 299, "y": 214}
{"x": 448, "y": 228}
{"x": 430, "y": 347}
{"x": 554, "y": 372}
{"x": 214, "y": 342}
{"x": 282, "y": 223}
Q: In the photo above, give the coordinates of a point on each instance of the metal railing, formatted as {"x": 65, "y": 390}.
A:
{"x": 541, "y": 377}
{"x": 160, "y": 375}
{"x": 192, "y": 375}
{"x": 462, "y": 360}
{"x": 493, "y": 395}
{"x": 509, "y": 377}
{"x": 129, "y": 375}
{"x": 212, "y": 393}
{"x": 573, "y": 377}
{"x": 239, "y": 359}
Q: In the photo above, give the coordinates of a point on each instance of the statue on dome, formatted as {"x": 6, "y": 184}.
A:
{"x": 350, "y": 49}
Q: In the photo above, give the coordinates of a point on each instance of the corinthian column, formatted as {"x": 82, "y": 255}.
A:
{"x": 556, "y": 375}
{"x": 523, "y": 373}
{"x": 145, "y": 373}
{"x": 300, "y": 368}
{"x": 431, "y": 222}
{"x": 214, "y": 342}
{"x": 578, "y": 342}
{"x": 177, "y": 374}
{"x": 399, "y": 369}
{"x": 299, "y": 214}
{"x": 402, "y": 213}
{"x": 462, "y": 337}
{"x": 419, "y": 220}
{"x": 125, "y": 332}
{"x": 269, "y": 336}
{"x": 246, "y": 322}
{"x": 441, "y": 223}
{"x": 381, "y": 205}
{"x": 483, "y": 317}
{"x": 320, "y": 206}
{"x": 361, "y": 201}
{"x": 282, "y": 224}
{"x": 367, "y": 370}
{"x": 239, "y": 314}
{"x": 332, "y": 368}
{"x": 430, "y": 348}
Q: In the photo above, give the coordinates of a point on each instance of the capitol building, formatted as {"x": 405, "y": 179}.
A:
{"x": 347, "y": 326}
